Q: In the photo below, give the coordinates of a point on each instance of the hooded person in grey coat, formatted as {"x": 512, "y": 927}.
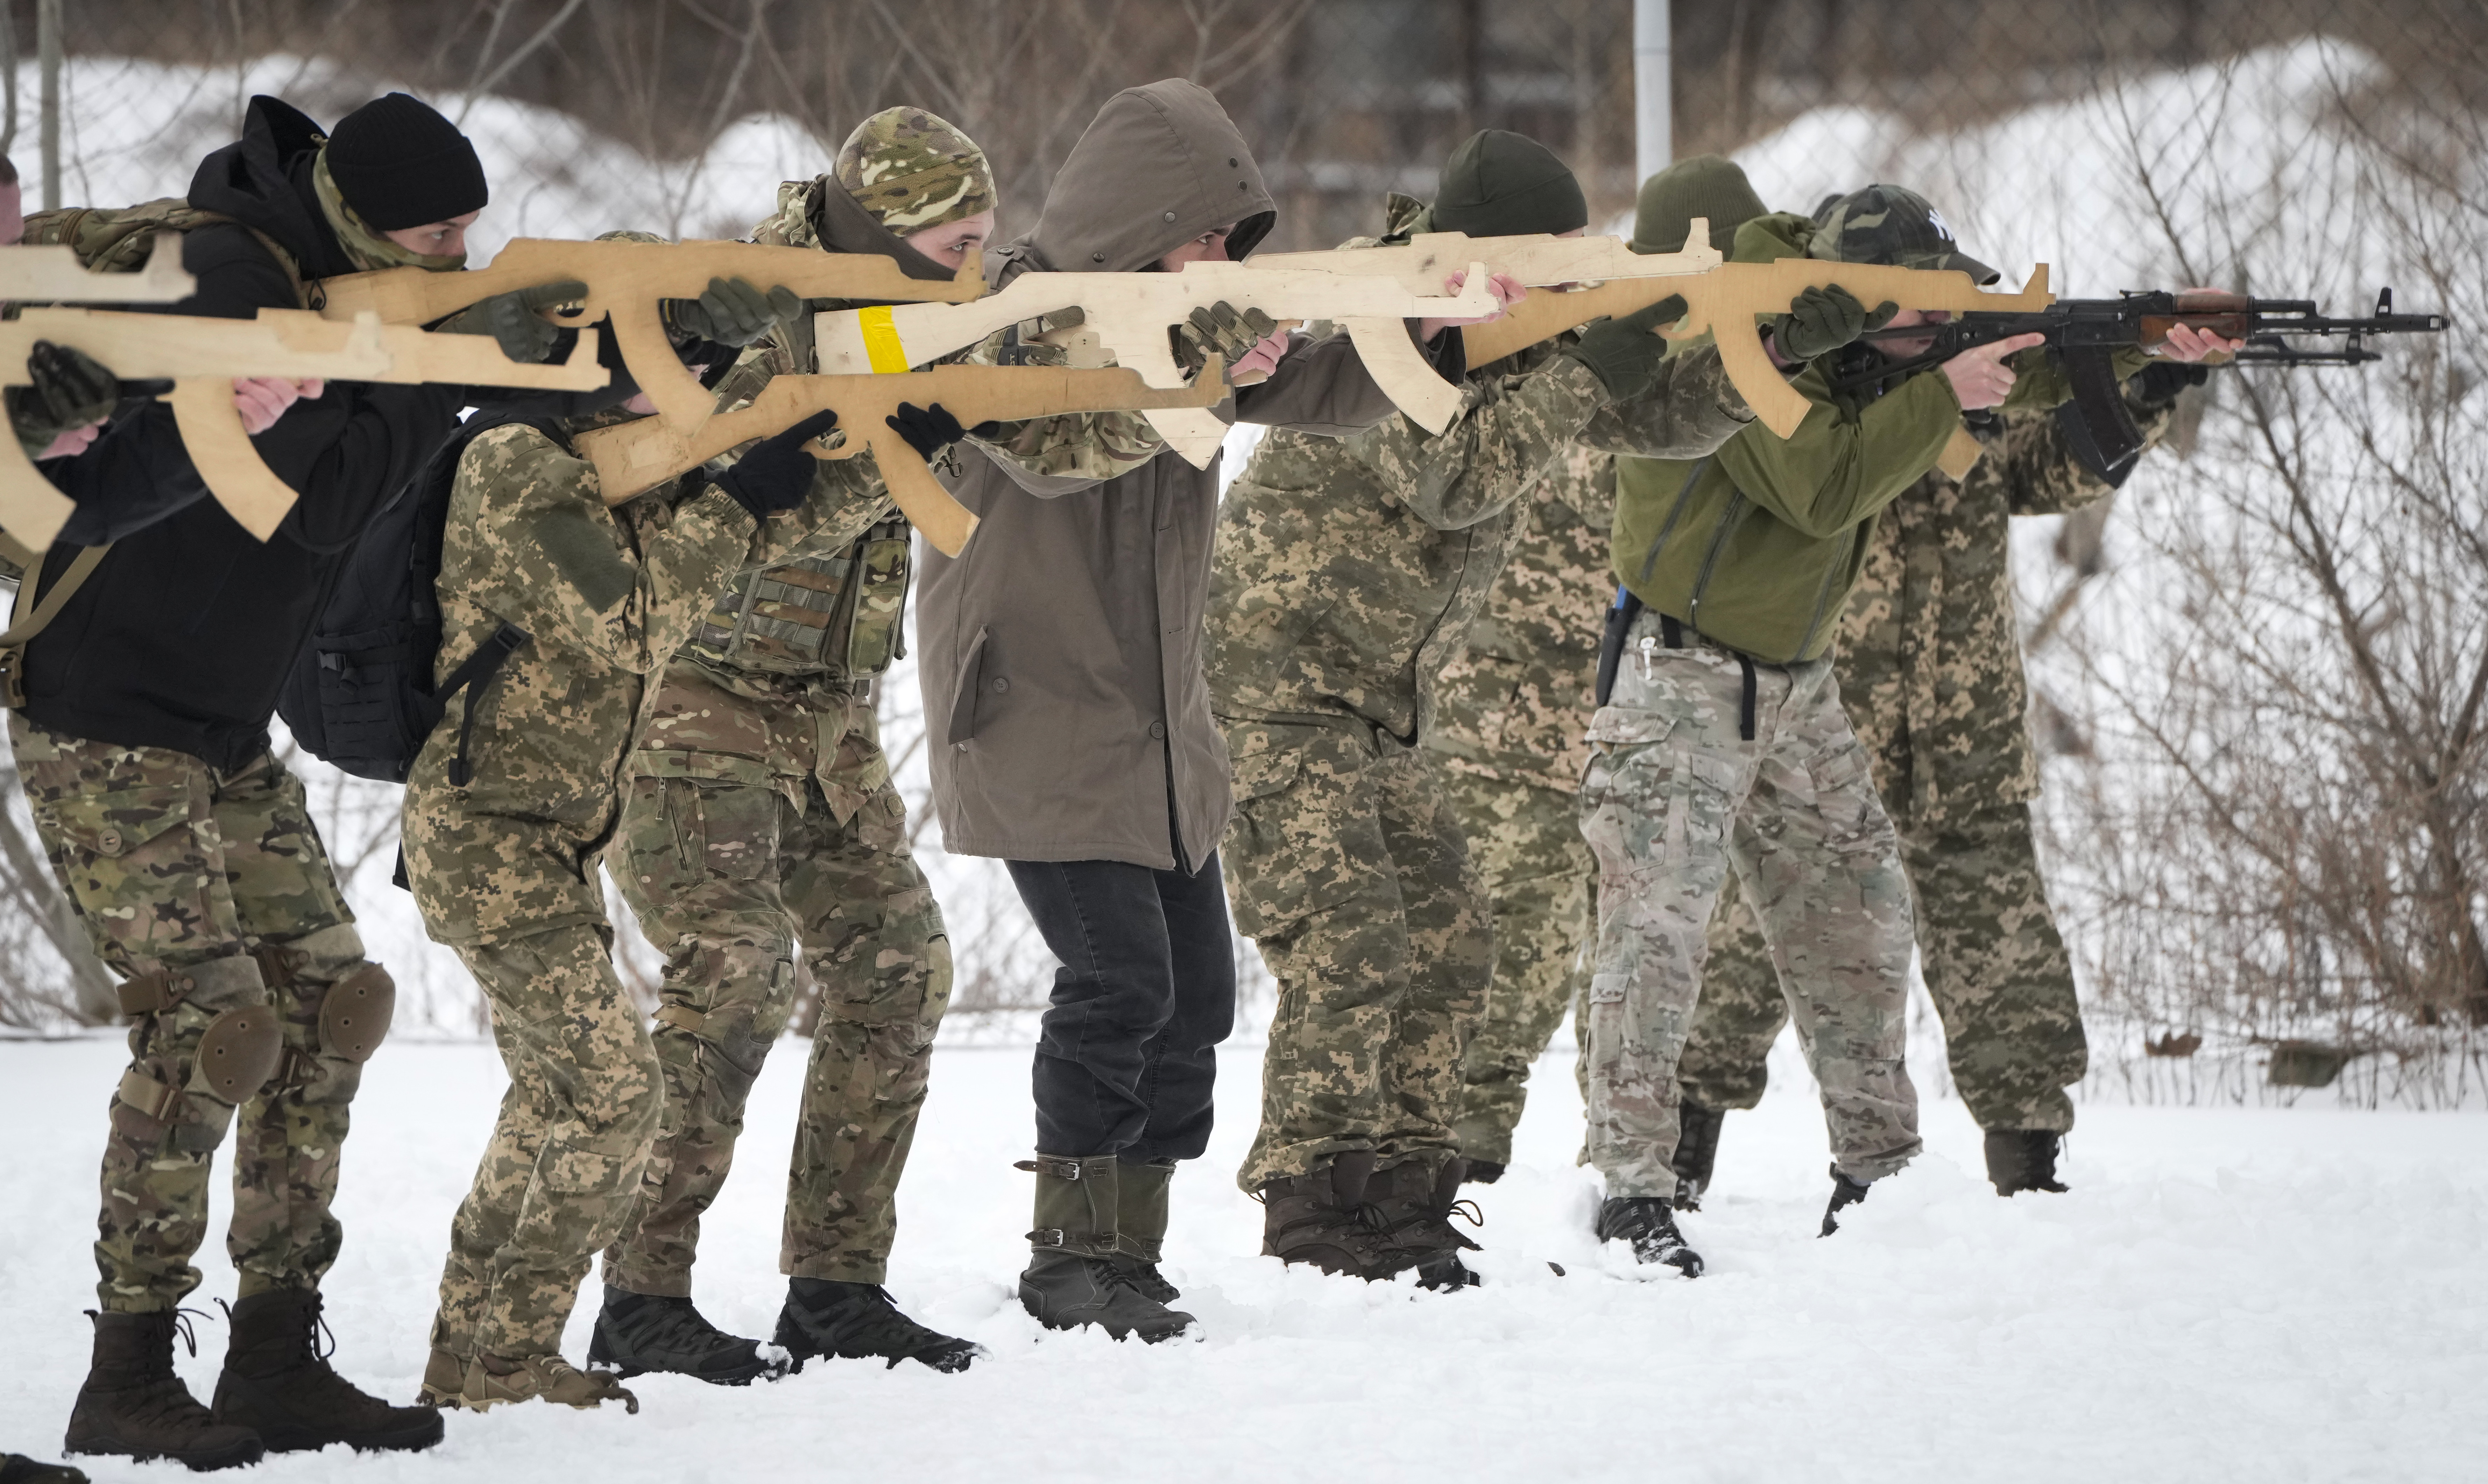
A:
{"x": 1062, "y": 672}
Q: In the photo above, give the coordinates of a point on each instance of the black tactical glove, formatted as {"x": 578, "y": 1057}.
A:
{"x": 1822, "y": 319}
{"x": 928, "y": 429}
{"x": 1220, "y": 329}
{"x": 2158, "y": 383}
{"x": 731, "y": 312}
{"x": 525, "y": 335}
{"x": 777, "y": 473}
{"x": 1624, "y": 353}
{"x": 68, "y": 389}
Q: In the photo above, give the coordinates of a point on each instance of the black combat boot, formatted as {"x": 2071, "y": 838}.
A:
{"x": 1845, "y": 1193}
{"x": 18, "y": 1468}
{"x": 1697, "y": 1149}
{"x": 640, "y": 1332}
{"x": 2021, "y": 1160}
{"x": 132, "y": 1404}
{"x": 277, "y": 1383}
{"x": 1327, "y": 1221}
{"x": 851, "y": 1321}
{"x": 1650, "y": 1225}
{"x": 1072, "y": 1278}
{"x": 1417, "y": 1211}
{"x": 1139, "y": 1227}
{"x": 1484, "y": 1172}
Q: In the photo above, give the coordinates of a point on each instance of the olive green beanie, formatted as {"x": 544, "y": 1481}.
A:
{"x": 1708, "y": 185}
{"x": 1499, "y": 183}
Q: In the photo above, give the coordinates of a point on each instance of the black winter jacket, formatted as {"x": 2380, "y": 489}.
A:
{"x": 183, "y": 637}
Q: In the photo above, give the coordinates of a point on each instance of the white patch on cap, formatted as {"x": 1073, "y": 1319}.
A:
{"x": 1944, "y": 228}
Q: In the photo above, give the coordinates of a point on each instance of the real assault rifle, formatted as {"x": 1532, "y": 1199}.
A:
{"x": 625, "y": 282}
{"x": 1126, "y": 316}
{"x": 51, "y": 273}
{"x": 2087, "y": 332}
{"x": 635, "y": 456}
{"x": 203, "y": 356}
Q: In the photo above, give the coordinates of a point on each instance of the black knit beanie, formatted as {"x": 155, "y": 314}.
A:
{"x": 399, "y": 164}
{"x": 1499, "y": 183}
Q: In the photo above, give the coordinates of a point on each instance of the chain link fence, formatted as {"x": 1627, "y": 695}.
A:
{"x": 2258, "y": 674}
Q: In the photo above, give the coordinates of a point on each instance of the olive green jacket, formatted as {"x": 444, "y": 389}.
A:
{"x": 1757, "y": 545}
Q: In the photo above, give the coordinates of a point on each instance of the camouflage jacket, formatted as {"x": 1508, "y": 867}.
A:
{"x": 1515, "y": 707}
{"x": 605, "y": 596}
{"x": 1349, "y": 569}
{"x": 1930, "y": 656}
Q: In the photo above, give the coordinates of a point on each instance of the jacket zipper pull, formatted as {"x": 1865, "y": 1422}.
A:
{"x": 1649, "y": 647}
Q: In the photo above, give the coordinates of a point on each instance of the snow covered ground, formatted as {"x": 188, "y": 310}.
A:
{"x": 2227, "y": 1295}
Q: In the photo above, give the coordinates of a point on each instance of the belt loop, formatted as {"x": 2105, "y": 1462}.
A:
{"x": 1745, "y": 702}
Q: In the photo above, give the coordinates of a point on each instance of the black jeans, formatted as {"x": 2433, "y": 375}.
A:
{"x": 1129, "y": 1051}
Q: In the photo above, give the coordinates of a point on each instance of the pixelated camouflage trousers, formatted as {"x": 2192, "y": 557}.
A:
{"x": 733, "y": 880}
{"x": 1994, "y": 966}
{"x": 563, "y": 1166}
{"x": 218, "y": 881}
{"x": 1673, "y": 801}
{"x": 1346, "y": 865}
{"x": 1539, "y": 877}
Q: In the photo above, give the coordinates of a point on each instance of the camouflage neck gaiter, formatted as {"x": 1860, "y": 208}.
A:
{"x": 366, "y": 249}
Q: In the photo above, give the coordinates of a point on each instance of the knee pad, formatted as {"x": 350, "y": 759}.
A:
{"x": 239, "y": 1053}
{"x": 355, "y": 1013}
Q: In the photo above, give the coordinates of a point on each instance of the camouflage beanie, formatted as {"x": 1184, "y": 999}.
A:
{"x": 1499, "y": 183}
{"x": 1708, "y": 186}
{"x": 912, "y": 170}
{"x": 1895, "y": 227}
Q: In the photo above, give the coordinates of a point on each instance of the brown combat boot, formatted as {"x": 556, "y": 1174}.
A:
{"x": 1327, "y": 1221}
{"x": 1417, "y": 1210}
{"x": 493, "y": 1380}
{"x": 277, "y": 1383}
{"x": 132, "y": 1405}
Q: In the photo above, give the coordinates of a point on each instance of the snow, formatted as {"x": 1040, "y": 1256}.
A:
{"x": 2227, "y": 1293}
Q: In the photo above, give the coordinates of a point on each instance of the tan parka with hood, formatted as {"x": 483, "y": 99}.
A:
{"x": 1060, "y": 654}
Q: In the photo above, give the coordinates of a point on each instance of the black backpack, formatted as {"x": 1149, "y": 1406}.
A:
{"x": 360, "y": 695}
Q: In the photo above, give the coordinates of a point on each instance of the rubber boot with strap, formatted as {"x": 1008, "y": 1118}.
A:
{"x": 1072, "y": 1278}
{"x": 1140, "y": 1226}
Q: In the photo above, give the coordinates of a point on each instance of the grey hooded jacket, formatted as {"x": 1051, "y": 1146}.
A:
{"x": 1060, "y": 652}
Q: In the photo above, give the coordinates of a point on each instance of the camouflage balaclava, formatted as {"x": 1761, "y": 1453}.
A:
{"x": 1895, "y": 227}
{"x": 912, "y": 169}
{"x": 1708, "y": 186}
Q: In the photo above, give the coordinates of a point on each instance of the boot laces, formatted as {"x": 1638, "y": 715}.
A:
{"x": 160, "y": 1398}
{"x": 871, "y": 1323}
{"x": 676, "y": 1324}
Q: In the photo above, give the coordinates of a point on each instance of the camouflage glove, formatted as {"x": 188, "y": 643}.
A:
{"x": 928, "y": 429}
{"x": 68, "y": 389}
{"x": 731, "y": 312}
{"x": 512, "y": 318}
{"x": 1220, "y": 329}
{"x": 1825, "y": 318}
{"x": 776, "y": 474}
{"x": 1624, "y": 353}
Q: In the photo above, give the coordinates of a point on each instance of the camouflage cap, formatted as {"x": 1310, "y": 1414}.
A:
{"x": 1892, "y": 226}
{"x": 912, "y": 169}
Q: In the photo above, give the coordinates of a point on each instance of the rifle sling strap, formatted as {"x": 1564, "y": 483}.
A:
{"x": 479, "y": 671}
{"x": 13, "y": 644}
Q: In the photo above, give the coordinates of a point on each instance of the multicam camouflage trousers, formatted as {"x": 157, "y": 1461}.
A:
{"x": 1540, "y": 875}
{"x": 559, "y": 1176}
{"x": 1994, "y": 964}
{"x": 731, "y": 878}
{"x": 1674, "y": 799}
{"x": 1346, "y": 865}
{"x": 210, "y": 894}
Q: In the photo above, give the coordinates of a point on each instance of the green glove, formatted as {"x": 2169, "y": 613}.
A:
{"x": 68, "y": 389}
{"x": 1825, "y": 318}
{"x": 513, "y": 320}
{"x": 732, "y": 312}
{"x": 1220, "y": 329}
{"x": 1624, "y": 353}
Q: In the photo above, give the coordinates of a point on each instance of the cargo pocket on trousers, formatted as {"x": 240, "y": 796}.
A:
{"x": 1844, "y": 796}
{"x": 134, "y": 837}
{"x": 1256, "y": 841}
